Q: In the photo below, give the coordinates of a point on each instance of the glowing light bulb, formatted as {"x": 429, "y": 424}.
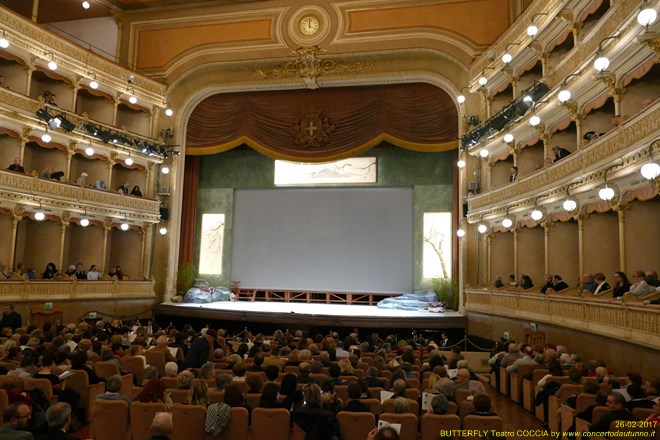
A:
{"x": 86, "y": 4}
{"x": 169, "y": 112}
{"x": 534, "y": 121}
{"x": 165, "y": 170}
{"x": 124, "y": 226}
{"x": 564, "y": 95}
{"x": 537, "y": 215}
{"x": 569, "y": 205}
{"x": 460, "y": 233}
{"x": 650, "y": 171}
{"x": 601, "y": 63}
{"x": 46, "y": 137}
{"x": 84, "y": 222}
{"x": 484, "y": 153}
{"x": 89, "y": 151}
{"x": 532, "y": 30}
{"x": 646, "y": 17}
{"x": 163, "y": 230}
{"x": 93, "y": 84}
{"x": 483, "y": 80}
{"x": 460, "y": 163}
{"x": 606, "y": 193}
{"x": 482, "y": 228}
{"x": 52, "y": 65}
{"x": 507, "y": 222}
{"x": 129, "y": 161}
{"x": 460, "y": 99}
{"x": 4, "y": 43}
{"x": 506, "y": 58}
{"x": 508, "y": 138}
{"x": 39, "y": 215}
{"x": 132, "y": 99}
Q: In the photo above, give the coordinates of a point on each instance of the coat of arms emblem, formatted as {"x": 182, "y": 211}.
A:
{"x": 312, "y": 130}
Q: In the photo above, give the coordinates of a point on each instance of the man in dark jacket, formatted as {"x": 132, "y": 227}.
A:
{"x": 11, "y": 318}
{"x": 59, "y": 421}
{"x": 200, "y": 350}
{"x": 616, "y": 403}
{"x": 354, "y": 405}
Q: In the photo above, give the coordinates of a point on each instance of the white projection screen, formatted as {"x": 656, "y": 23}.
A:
{"x": 324, "y": 239}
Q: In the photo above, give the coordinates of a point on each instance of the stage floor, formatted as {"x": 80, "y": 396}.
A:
{"x": 314, "y": 315}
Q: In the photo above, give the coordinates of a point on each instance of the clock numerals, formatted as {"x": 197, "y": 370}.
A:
{"x": 309, "y": 25}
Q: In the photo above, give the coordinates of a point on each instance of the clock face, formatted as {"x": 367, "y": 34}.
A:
{"x": 309, "y": 25}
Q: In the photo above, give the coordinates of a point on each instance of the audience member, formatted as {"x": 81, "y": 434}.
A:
{"x": 123, "y": 188}
{"x": 11, "y": 318}
{"x": 513, "y": 176}
{"x": 93, "y": 274}
{"x": 621, "y": 284}
{"x": 51, "y": 272}
{"x": 16, "y": 166}
{"x": 136, "y": 191}
{"x": 558, "y": 283}
{"x": 100, "y": 184}
{"x": 112, "y": 388}
{"x": 59, "y": 421}
{"x": 80, "y": 272}
{"x": 559, "y": 153}
{"x": 384, "y": 433}
{"x": 588, "y": 283}
{"x": 639, "y": 286}
{"x": 317, "y": 422}
{"x": 602, "y": 285}
{"x": 616, "y": 403}
{"x": 116, "y": 272}
{"x": 161, "y": 426}
{"x": 525, "y": 282}
{"x": 82, "y": 180}
{"x": 200, "y": 350}
{"x": 15, "y": 419}
{"x": 548, "y": 284}
{"x": 354, "y": 404}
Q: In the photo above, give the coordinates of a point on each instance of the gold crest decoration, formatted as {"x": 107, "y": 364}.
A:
{"x": 312, "y": 130}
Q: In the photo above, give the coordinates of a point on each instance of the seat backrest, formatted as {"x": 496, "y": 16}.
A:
{"x": 583, "y": 401}
{"x": 412, "y": 393}
{"x": 156, "y": 359}
{"x": 355, "y": 425}
{"x": 434, "y": 423}
{"x": 480, "y": 424}
{"x": 375, "y": 392}
{"x": 341, "y": 391}
{"x": 598, "y": 412}
{"x": 216, "y": 396}
{"x": 253, "y": 400}
{"x": 188, "y": 422}
{"x": 135, "y": 366}
{"x": 237, "y": 428}
{"x": 298, "y": 432}
{"x": 374, "y": 405}
{"x": 106, "y": 369}
{"x": 270, "y": 424}
{"x": 568, "y": 389}
{"x": 142, "y": 414}
{"x": 465, "y": 408}
{"x": 109, "y": 420}
{"x": 461, "y": 394}
{"x": 78, "y": 382}
{"x": 170, "y": 382}
{"x": 642, "y": 413}
{"x": 388, "y": 406}
{"x": 179, "y": 396}
{"x": 4, "y": 403}
{"x": 408, "y": 424}
{"x": 44, "y": 385}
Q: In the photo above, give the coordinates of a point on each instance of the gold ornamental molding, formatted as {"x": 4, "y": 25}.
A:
{"x": 628, "y": 321}
{"x": 15, "y": 187}
{"x": 609, "y": 147}
{"x": 40, "y": 291}
{"x": 31, "y": 38}
{"x": 308, "y": 66}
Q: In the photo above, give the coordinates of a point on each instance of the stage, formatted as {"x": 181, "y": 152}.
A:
{"x": 305, "y": 315}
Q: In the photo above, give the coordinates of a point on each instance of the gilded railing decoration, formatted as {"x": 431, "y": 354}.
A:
{"x": 632, "y": 322}
{"x": 40, "y": 291}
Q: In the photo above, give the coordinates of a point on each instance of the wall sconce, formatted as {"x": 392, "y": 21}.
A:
{"x": 507, "y": 57}
{"x": 39, "y": 215}
{"x": 482, "y": 79}
{"x": 537, "y": 212}
{"x": 651, "y": 170}
{"x": 131, "y": 95}
{"x": 84, "y": 222}
{"x": 646, "y": 16}
{"x": 484, "y": 153}
{"x": 129, "y": 159}
{"x": 86, "y": 5}
{"x": 532, "y": 29}
{"x": 508, "y": 137}
{"x": 607, "y": 193}
{"x": 460, "y": 163}
{"x": 93, "y": 83}
{"x": 507, "y": 222}
{"x": 4, "y": 43}
{"x": 564, "y": 94}
{"x": 482, "y": 228}
{"x": 163, "y": 231}
{"x": 168, "y": 110}
{"x": 124, "y": 226}
{"x": 165, "y": 170}
{"x": 89, "y": 150}
{"x": 52, "y": 65}
{"x": 602, "y": 62}
{"x": 569, "y": 204}
{"x": 461, "y": 97}
{"x": 46, "y": 137}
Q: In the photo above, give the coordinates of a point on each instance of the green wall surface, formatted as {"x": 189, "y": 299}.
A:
{"x": 430, "y": 175}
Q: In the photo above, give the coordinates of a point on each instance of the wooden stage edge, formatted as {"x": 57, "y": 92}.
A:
{"x": 321, "y": 316}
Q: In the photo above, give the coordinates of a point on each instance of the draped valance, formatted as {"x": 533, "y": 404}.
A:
{"x": 325, "y": 124}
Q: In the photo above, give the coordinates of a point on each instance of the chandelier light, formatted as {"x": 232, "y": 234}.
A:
{"x": 52, "y": 65}
{"x": 569, "y": 205}
{"x": 89, "y": 151}
{"x": 39, "y": 215}
{"x": 507, "y": 57}
{"x": 534, "y": 120}
{"x": 483, "y": 80}
{"x": 602, "y": 62}
{"x": 165, "y": 170}
{"x": 461, "y": 97}
{"x": 84, "y": 222}
{"x": 606, "y": 193}
{"x": 508, "y": 138}
{"x": 129, "y": 160}
{"x": 46, "y": 137}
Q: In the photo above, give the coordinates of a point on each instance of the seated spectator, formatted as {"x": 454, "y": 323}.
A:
{"x": 59, "y": 421}
{"x": 354, "y": 404}
{"x": 304, "y": 371}
{"x": 602, "y": 285}
{"x": 401, "y": 405}
{"x": 93, "y": 274}
{"x": 155, "y": 390}
{"x": 82, "y": 180}
{"x": 16, "y": 166}
{"x": 100, "y": 184}
{"x": 51, "y": 272}
{"x": 525, "y": 282}
{"x": 588, "y": 283}
{"x": 512, "y": 280}
{"x": 513, "y": 173}
{"x": 257, "y": 361}
{"x": 272, "y": 372}
{"x": 123, "y": 188}
{"x": 558, "y": 283}
{"x": 207, "y": 370}
{"x": 616, "y": 403}
{"x": 270, "y": 396}
{"x": 439, "y": 404}
{"x": 171, "y": 369}
{"x": 136, "y": 191}
{"x": 71, "y": 270}
{"x": 621, "y": 284}
{"x": 639, "y": 286}
{"x": 548, "y": 284}
{"x": 317, "y": 422}
{"x": 80, "y": 272}
{"x": 79, "y": 362}
{"x": 239, "y": 370}
{"x": 293, "y": 397}
{"x": 384, "y": 433}
{"x": 559, "y": 153}
{"x": 652, "y": 279}
{"x": 497, "y": 283}
{"x": 112, "y": 388}
{"x": 161, "y": 426}
{"x": 222, "y": 381}
{"x": 482, "y": 405}
{"x": 15, "y": 419}
{"x": 372, "y": 379}
{"x": 184, "y": 380}
{"x": 254, "y": 383}
{"x": 235, "y": 399}
{"x": 116, "y": 272}
{"x": 399, "y": 387}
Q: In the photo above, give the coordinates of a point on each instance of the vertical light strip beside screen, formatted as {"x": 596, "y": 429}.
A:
{"x": 210, "y": 250}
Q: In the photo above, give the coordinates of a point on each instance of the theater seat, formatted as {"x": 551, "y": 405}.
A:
{"x": 270, "y": 424}
{"x": 432, "y": 424}
{"x": 237, "y": 428}
{"x": 408, "y": 424}
{"x": 188, "y": 422}
{"x": 109, "y": 420}
{"x": 481, "y": 423}
{"x": 142, "y": 414}
{"x": 355, "y": 425}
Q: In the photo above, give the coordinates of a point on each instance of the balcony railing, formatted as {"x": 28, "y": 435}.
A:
{"x": 67, "y": 290}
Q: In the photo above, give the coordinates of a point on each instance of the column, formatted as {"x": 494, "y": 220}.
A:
{"x": 621, "y": 212}
{"x": 616, "y": 94}
{"x": 580, "y": 221}
{"x": 147, "y": 248}
{"x": 546, "y": 242}
{"x": 28, "y": 86}
{"x": 149, "y": 170}
{"x": 74, "y": 98}
{"x": 115, "y": 105}
{"x": 24, "y": 140}
{"x": 514, "y": 86}
{"x": 64, "y": 224}
{"x": 578, "y": 118}
{"x": 18, "y": 215}
{"x": 489, "y": 266}
{"x": 111, "y": 164}
{"x": 107, "y": 227}
{"x": 70, "y": 153}
{"x": 515, "y": 250}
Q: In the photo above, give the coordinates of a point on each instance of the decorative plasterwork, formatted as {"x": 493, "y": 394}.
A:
{"x": 609, "y": 147}
{"x": 631, "y": 322}
{"x": 40, "y": 291}
{"x": 32, "y": 39}
{"x": 20, "y": 188}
